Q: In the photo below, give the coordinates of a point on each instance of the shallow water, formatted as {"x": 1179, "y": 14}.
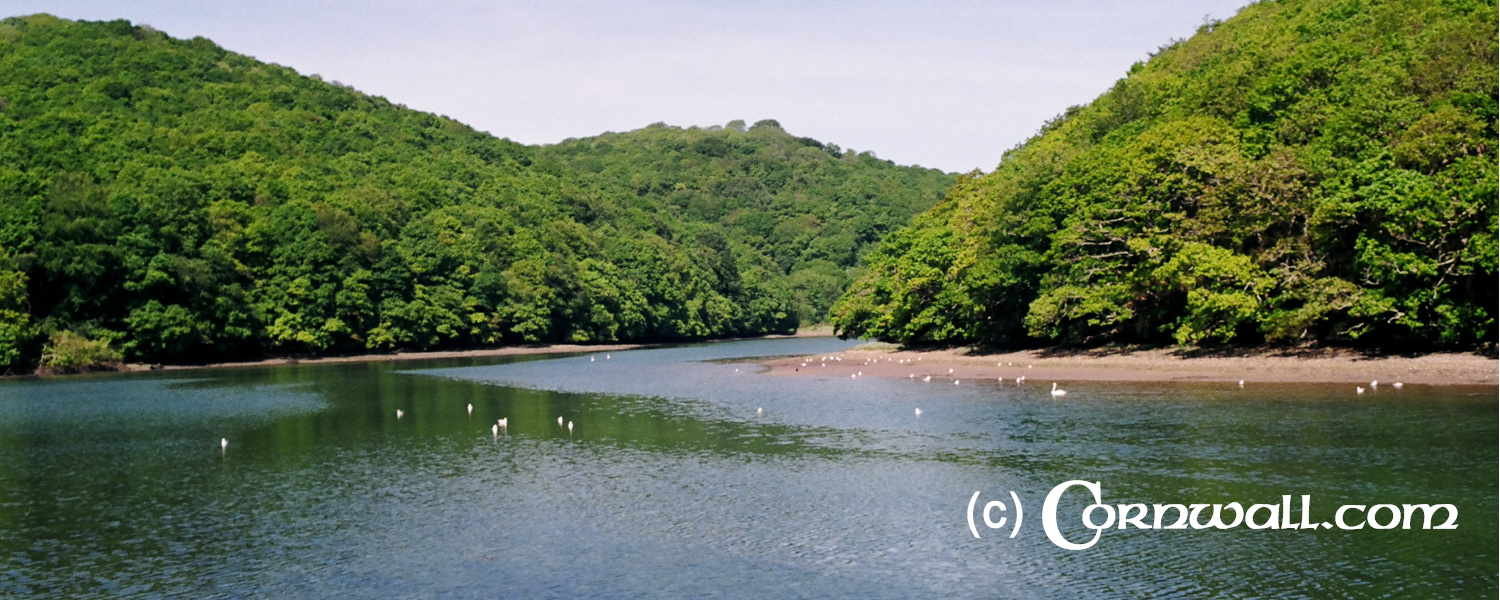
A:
{"x": 671, "y": 484}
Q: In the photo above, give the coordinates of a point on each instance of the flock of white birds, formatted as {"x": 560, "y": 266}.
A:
{"x": 502, "y": 425}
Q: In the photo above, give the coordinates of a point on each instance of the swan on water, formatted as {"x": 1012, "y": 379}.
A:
{"x": 1057, "y": 392}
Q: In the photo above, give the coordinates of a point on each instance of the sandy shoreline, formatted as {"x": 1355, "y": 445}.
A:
{"x": 1147, "y": 365}
{"x": 476, "y": 353}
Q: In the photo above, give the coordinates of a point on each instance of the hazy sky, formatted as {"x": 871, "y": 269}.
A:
{"x": 942, "y": 84}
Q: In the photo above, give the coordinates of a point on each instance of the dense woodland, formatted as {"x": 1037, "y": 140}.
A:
{"x": 1308, "y": 171}
{"x": 168, "y": 200}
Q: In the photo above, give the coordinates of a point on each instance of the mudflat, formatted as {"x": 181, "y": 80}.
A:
{"x": 1260, "y": 366}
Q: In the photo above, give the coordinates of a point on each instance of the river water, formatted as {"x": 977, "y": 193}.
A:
{"x": 672, "y": 484}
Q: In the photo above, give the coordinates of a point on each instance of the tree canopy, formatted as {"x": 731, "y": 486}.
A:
{"x": 1308, "y": 171}
{"x": 185, "y": 203}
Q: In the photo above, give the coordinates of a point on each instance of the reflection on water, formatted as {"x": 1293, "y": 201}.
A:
{"x": 671, "y": 483}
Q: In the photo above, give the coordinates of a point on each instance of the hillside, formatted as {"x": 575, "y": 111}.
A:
{"x": 182, "y": 203}
{"x": 1308, "y": 171}
{"x": 812, "y": 208}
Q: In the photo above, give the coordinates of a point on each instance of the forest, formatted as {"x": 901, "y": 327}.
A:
{"x": 1306, "y": 172}
{"x": 167, "y": 200}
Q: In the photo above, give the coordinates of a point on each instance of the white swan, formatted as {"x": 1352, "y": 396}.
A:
{"x": 399, "y": 413}
{"x": 1359, "y": 390}
{"x": 1056, "y": 393}
{"x": 919, "y": 412}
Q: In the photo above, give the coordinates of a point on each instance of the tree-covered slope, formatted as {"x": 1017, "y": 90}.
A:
{"x": 185, "y": 203}
{"x": 812, "y": 208}
{"x": 1307, "y": 171}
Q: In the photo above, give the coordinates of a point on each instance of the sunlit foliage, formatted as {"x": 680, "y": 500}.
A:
{"x": 1307, "y": 171}
{"x": 178, "y": 202}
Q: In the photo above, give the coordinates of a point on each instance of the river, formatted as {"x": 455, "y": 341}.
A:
{"x": 687, "y": 473}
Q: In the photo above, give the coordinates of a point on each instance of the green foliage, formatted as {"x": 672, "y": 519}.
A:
{"x": 14, "y": 320}
{"x": 811, "y": 209}
{"x": 70, "y": 352}
{"x": 191, "y": 204}
{"x": 1310, "y": 170}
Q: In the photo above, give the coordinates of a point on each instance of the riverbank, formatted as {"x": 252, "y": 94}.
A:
{"x": 1252, "y": 366}
{"x": 823, "y": 331}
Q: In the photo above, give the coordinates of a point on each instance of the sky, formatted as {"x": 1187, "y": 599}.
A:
{"x": 937, "y": 83}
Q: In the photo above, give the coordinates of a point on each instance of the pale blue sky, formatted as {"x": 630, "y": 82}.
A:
{"x": 942, "y": 84}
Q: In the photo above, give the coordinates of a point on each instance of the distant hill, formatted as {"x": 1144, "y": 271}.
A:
{"x": 183, "y": 203}
{"x": 812, "y": 208}
{"x": 1308, "y": 171}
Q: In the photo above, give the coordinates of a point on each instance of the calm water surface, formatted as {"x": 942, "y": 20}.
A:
{"x": 671, "y": 484}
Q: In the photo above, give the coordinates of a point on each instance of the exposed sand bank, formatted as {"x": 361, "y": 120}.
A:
{"x": 1330, "y": 366}
{"x": 482, "y": 352}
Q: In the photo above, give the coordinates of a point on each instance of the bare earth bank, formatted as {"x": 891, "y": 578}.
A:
{"x": 402, "y": 356}
{"x": 1330, "y": 366}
